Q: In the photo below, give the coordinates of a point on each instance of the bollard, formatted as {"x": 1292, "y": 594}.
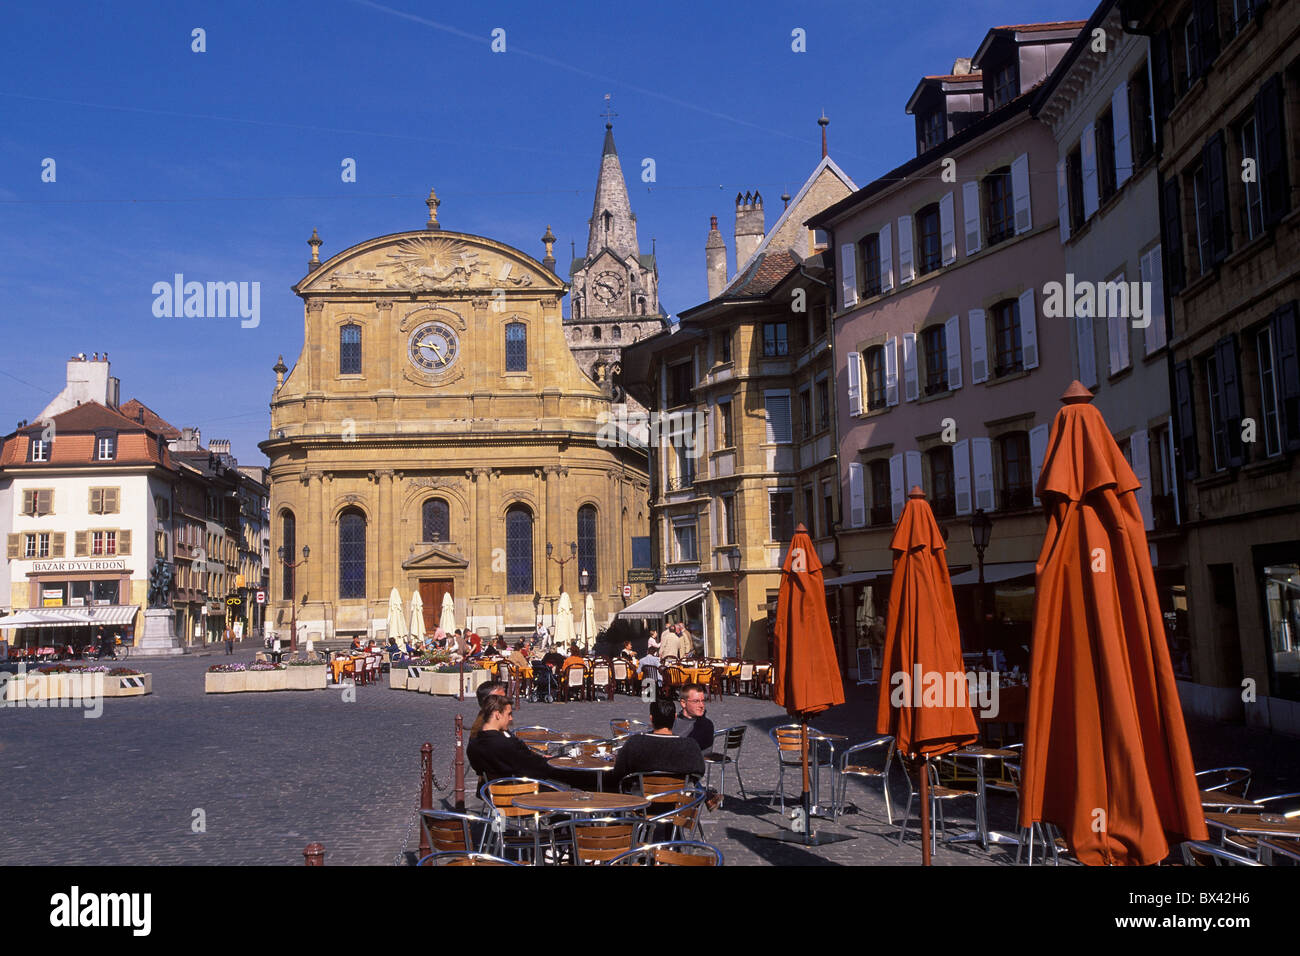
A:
{"x": 426, "y": 794}
{"x": 460, "y": 688}
{"x": 458, "y": 767}
{"x": 314, "y": 854}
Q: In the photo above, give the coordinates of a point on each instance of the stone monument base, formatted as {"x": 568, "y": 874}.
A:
{"x": 159, "y": 638}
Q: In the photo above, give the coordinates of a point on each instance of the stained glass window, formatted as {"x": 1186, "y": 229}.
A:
{"x": 352, "y": 555}
{"x": 587, "y": 546}
{"x": 350, "y": 350}
{"x": 437, "y": 521}
{"x": 288, "y": 536}
{"x": 519, "y": 550}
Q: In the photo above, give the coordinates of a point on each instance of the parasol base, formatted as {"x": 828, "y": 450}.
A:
{"x": 803, "y": 839}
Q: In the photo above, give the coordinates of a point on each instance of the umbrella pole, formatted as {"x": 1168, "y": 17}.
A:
{"x": 925, "y": 812}
{"x": 804, "y": 798}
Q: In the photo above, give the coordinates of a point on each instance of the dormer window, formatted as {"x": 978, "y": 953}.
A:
{"x": 1005, "y": 84}
{"x": 39, "y": 449}
{"x": 105, "y": 446}
{"x": 930, "y": 129}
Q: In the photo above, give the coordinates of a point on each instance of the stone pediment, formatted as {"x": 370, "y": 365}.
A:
{"x": 437, "y": 558}
{"x": 430, "y": 261}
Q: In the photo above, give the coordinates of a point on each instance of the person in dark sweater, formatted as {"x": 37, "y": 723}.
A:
{"x": 496, "y": 753}
{"x": 658, "y": 750}
{"x": 692, "y": 722}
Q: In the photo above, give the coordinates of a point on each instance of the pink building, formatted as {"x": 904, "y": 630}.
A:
{"x": 948, "y": 373}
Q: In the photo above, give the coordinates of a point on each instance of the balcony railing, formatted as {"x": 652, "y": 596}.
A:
{"x": 681, "y": 482}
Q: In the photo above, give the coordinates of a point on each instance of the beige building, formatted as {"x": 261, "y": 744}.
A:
{"x": 436, "y": 434}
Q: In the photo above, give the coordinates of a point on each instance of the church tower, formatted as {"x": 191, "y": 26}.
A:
{"x": 615, "y": 287}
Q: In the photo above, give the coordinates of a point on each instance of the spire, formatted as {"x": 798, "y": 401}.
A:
{"x": 548, "y": 240}
{"x": 433, "y": 202}
{"x": 823, "y": 122}
{"x": 612, "y": 224}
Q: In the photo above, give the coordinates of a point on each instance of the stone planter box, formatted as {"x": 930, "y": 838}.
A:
{"x": 397, "y": 678}
{"x": 127, "y": 685}
{"x": 267, "y": 680}
{"x": 224, "y": 683}
{"x": 445, "y": 685}
{"x": 305, "y": 678}
{"x": 420, "y": 679}
{"x": 79, "y": 685}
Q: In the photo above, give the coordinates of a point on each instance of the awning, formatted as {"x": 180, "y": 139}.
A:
{"x": 103, "y": 615}
{"x": 661, "y": 602}
{"x": 994, "y": 573}
{"x": 858, "y": 577}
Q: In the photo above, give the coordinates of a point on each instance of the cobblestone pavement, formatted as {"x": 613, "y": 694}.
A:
{"x": 269, "y": 773}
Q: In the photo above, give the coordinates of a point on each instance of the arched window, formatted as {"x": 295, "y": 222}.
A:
{"x": 618, "y": 333}
{"x": 516, "y": 347}
{"x": 437, "y": 520}
{"x": 587, "y": 546}
{"x": 577, "y": 309}
{"x": 519, "y": 550}
{"x": 288, "y": 538}
{"x": 350, "y": 349}
{"x": 352, "y": 554}
{"x": 595, "y": 333}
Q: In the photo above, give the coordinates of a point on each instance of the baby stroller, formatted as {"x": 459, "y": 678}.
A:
{"x": 545, "y": 686}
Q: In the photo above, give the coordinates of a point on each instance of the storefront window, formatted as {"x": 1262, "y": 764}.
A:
{"x": 1282, "y": 604}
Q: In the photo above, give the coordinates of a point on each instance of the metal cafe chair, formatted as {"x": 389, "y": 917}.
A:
{"x": 675, "y": 853}
{"x": 450, "y": 831}
{"x": 728, "y": 753}
{"x": 588, "y": 840}
{"x": 786, "y": 739}
{"x": 513, "y": 828}
{"x": 851, "y": 765}
{"x": 939, "y": 795}
{"x": 575, "y": 681}
{"x": 683, "y": 814}
{"x": 622, "y": 726}
{"x": 1196, "y": 853}
{"x": 1233, "y": 780}
{"x": 458, "y": 858}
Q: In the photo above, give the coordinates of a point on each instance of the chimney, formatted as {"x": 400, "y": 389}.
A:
{"x": 715, "y": 259}
{"x": 749, "y": 227}
{"x": 961, "y": 66}
{"x": 87, "y": 380}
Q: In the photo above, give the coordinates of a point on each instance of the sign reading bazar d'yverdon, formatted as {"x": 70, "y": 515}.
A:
{"x": 63, "y": 567}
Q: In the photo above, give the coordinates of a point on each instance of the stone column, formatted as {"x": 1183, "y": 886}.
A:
{"x": 378, "y": 515}
{"x": 311, "y": 579}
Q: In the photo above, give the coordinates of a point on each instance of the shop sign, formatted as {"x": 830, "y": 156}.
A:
{"x": 642, "y": 576}
{"x": 66, "y": 567}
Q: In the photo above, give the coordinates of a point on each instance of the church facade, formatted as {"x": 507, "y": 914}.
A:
{"x": 437, "y": 435}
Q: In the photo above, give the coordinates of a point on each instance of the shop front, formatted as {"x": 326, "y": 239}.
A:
{"x": 73, "y": 603}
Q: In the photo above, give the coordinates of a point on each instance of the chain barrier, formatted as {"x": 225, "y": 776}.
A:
{"x": 400, "y": 858}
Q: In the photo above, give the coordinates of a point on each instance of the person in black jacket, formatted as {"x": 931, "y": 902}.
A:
{"x": 658, "y": 750}
{"x": 496, "y": 753}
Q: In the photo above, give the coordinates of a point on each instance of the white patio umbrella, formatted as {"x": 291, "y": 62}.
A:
{"x": 396, "y": 619}
{"x": 447, "y": 620}
{"x": 588, "y": 622}
{"x": 416, "y": 632}
{"x": 564, "y": 633}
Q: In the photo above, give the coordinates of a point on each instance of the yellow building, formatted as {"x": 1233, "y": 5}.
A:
{"x": 436, "y": 434}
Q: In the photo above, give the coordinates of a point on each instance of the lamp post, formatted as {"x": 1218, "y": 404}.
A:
{"x": 573, "y": 553}
{"x": 293, "y": 591}
{"x": 583, "y": 577}
{"x": 733, "y": 560}
{"x": 980, "y": 530}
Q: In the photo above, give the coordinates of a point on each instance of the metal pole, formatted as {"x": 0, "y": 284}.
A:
{"x": 926, "y": 823}
{"x": 426, "y": 793}
{"x": 458, "y": 766}
{"x": 983, "y": 645}
{"x": 314, "y": 854}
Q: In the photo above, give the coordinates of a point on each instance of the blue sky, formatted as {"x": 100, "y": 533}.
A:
{"x": 218, "y": 164}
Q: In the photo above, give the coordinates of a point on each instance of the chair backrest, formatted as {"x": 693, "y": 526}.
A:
{"x": 676, "y": 853}
{"x": 1233, "y": 780}
{"x": 733, "y": 737}
{"x": 651, "y": 785}
{"x": 575, "y": 675}
{"x": 787, "y": 738}
{"x": 458, "y": 858}
{"x": 620, "y": 669}
{"x": 599, "y": 840}
{"x": 449, "y": 831}
{"x": 1196, "y": 853}
{"x": 600, "y": 674}
{"x": 683, "y": 807}
{"x": 501, "y": 795}
{"x": 676, "y": 675}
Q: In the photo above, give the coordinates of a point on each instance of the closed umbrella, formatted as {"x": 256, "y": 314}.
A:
{"x": 396, "y": 618}
{"x": 588, "y": 622}
{"x": 417, "y": 617}
{"x": 922, "y": 648}
{"x": 806, "y": 674}
{"x": 564, "y": 632}
{"x": 447, "y": 618}
{"x": 1106, "y": 755}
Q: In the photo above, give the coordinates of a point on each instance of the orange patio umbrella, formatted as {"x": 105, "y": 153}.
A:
{"x": 923, "y": 652}
{"x": 806, "y": 676}
{"x": 1106, "y": 755}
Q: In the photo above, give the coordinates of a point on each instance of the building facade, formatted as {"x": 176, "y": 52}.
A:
{"x": 437, "y": 435}
{"x": 1226, "y": 89}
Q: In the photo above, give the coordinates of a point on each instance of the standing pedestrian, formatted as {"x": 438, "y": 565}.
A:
{"x": 230, "y": 640}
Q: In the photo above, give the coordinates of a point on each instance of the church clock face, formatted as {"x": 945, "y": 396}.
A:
{"x": 608, "y": 286}
{"x": 433, "y": 347}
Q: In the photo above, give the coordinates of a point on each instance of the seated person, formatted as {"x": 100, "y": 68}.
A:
{"x": 658, "y": 750}
{"x": 496, "y": 753}
{"x": 691, "y": 723}
{"x": 491, "y": 688}
{"x": 356, "y": 643}
{"x": 628, "y": 652}
{"x": 553, "y": 659}
{"x": 575, "y": 657}
{"x": 518, "y": 658}
{"x": 475, "y": 643}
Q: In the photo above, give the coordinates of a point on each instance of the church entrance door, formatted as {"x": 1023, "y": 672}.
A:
{"x": 431, "y": 592}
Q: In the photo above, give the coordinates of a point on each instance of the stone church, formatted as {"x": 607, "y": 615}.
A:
{"x": 615, "y": 298}
{"x": 437, "y": 435}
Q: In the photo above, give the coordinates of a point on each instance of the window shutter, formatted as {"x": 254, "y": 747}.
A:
{"x": 905, "y": 271}
{"x": 110, "y": 501}
{"x": 1088, "y": 149}
{"x": 1162, "y": 77}
{"x": 1114, "y": 329}
{"x": 1141, "y": 453}
{"x": 79, "y": 545}
{"x": 1286, "y": 366}
{"x": 1185, "y": 415}
{"x": 891, "y": 371}
{"x": 1123, "y": 142}
{"x": 970, "y": 207}
{"x": 43, "y": 503}
{"x": 979, "y": 360}
{"x": 1207, "y": 34}
{"x": 778, "y": 418}
{"x": 1270, "y": 124}
{"x": 1171, "y": 236}
{"x": 1028, "y": 329}
{"x": 29, "y": 502}
{"x": 961, "y": 476}
{"x": 910, "y": 388}
{"x": 1230, "y": 396}
{"x": 952, "y": 342}
{"x": 1062, "y": 201}
{"x": 1020, "y": 192}
{"x": 857, "y": 501}
{"x": 947, "y": 229}
{"x": 95, "y": 500}
{"x": 1037, "y": 452}
{"x": 886, "y": 258}
{"x": 912, "y": 471}
{"x": 849, "y": 274}
{"x": 1087, "y": 347}
{"x": 854, "y": 375}
{"x": 1150, "y": 271}
{"x": 897, "y": 493}
{"x": 58, "y": 541}
{"x": 1217, "y": 185}
{"x": 13, "y": 547}
{"x": 981, "y": 452}
{"x": 124, "y": 542}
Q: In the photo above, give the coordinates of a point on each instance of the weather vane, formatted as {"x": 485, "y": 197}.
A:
{"x": 609, "y": 113}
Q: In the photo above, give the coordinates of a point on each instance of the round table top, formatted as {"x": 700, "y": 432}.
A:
{"x": 557, "y": 736}
{"x": 1217, "y": 798}
{"x": 582, "y": 763}
{"x": 824, "y": 735}
{"x": 981, "y": 752}
{"x": 580, "y": 801}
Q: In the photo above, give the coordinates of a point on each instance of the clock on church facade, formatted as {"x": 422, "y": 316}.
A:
{"x": 434, "y": 435}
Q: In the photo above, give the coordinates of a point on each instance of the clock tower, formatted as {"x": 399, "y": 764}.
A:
{"x": 615, "y": 287}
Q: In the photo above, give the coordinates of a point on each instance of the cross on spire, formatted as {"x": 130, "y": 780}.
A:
{"x": 609, "y": 113}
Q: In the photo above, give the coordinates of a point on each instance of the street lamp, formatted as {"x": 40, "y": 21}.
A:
{"x": 733, "y": 560}
{"x": 981, "y": 527}
{"x": 293, "y": 590}
{"x": 582, "y": 586}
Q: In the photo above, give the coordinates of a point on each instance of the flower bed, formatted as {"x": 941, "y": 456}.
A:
{"x": 237, "y": 678}
{"x": 84, "y": 681}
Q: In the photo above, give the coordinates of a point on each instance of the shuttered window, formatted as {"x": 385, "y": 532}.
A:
{"x": 777, "y": 408}
{"x": 38, "y": 501}
{"x": 1286, "y": 363}
{"x": 1275, "y": 193}
{"x": 103, "y": 501}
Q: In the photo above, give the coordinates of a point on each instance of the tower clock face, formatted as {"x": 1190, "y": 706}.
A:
{"x": 434, "y": 347}
{"x": 608, "y": 286}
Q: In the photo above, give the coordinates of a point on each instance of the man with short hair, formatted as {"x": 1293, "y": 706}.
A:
{"x": 658, "y": 750}
{"x": 670, "y": 645}
{"x": 692, "y": 722}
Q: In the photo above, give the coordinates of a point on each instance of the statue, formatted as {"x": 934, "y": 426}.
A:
{"x": 160, "y": 584}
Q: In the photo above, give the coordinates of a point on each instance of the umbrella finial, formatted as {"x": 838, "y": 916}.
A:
{"x": 916, "y": 492}
{"x": 1076, "y": 393}
{"x": 800, "y": 528}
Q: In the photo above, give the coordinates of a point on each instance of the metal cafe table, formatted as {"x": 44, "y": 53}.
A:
{"x": 982, "y": 833}
{"x": 597, "y": 765}
{"x": 580, "y": 801}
